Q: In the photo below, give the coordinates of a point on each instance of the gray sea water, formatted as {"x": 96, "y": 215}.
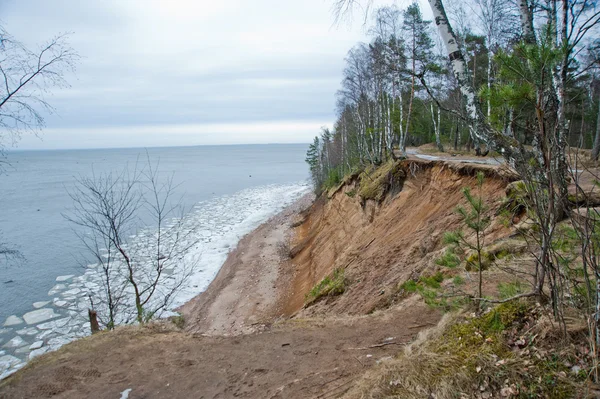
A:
{"x": 34, "y": 197}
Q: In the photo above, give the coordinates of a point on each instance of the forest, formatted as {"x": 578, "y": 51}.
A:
{"x": 521, "y": 70}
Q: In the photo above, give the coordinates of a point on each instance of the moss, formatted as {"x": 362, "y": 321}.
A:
{"x": 517, "y": 198}
{"x": 375, "y": 184}
{"x": 332, "y": 285}
{"x": 472, "y": 261}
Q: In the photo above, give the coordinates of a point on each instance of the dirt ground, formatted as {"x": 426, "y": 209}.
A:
{"x": 297, "y": 359}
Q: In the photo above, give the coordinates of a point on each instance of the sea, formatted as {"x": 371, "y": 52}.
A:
{"x": 227, "y": 191}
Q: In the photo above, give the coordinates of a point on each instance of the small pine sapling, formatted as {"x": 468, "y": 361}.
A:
{"x": 476, "y": 219}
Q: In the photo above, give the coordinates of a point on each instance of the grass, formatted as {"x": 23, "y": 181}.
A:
{"x": 332, "y": 285}
{"x": 509, "y": 290}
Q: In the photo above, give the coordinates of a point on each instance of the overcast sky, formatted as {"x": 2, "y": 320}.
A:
{"x": 188, "y": 72}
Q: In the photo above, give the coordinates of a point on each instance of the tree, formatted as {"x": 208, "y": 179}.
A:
{"x": 419, "y": 52}
{"x": 26, "y": 76}
{"x": 140, "y": 275}
{"x": 476, "y": 219}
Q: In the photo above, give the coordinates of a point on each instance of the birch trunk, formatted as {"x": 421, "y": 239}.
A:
{"x": 526, "y": 22}
{"x": 479, "y": 129}
{"x": 436, "y": 127}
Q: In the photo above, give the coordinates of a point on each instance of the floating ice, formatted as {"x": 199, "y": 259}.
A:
{"x": 56, "y": 289}
{"x": 36, "y": 345}
{"x": 27, "y": 331}
{"x": 15, "y": 342}
{"x": 38, "y": 305}
{"x": 55, "y": 324}
{"x": 22, "y": 350}
{"x": 38, "y": 352}
{"x": 40, "y": 315}
{"x": 13, "y": 321}
{"x": 8, "y": 361}
{"x": 64, "y": 278}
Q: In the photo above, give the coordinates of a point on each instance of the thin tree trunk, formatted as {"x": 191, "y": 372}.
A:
{"x": 596, "y": 147}
{"x": 526, "y": 22}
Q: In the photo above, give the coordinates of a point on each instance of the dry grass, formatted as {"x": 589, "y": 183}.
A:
{"x": 479, "y": 357}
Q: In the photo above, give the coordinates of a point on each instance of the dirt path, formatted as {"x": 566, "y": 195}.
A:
{"x": 296, "y": 359}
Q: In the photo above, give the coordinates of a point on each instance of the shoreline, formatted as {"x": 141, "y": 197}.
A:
{"x": 62, "y": 318}
{"x": 249, "y": 291}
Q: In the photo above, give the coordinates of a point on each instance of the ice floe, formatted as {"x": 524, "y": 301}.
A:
{"x": 41, "y": 304}
{"x": 15, "y": 342}
{"x": 40, "y": 315}
{"x": 36, "y": 345}
{"x": 13, "y": 321}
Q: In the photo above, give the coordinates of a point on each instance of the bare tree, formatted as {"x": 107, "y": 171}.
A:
{"x": 26, "y": 77}
{"x": 141, "y": 273}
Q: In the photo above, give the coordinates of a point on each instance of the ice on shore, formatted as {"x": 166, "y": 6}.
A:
{"x": 64, "y": 278}
{"x": 39, "y": 316}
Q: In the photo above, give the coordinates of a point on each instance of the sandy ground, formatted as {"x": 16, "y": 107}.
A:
{"x": 250, "y": 289}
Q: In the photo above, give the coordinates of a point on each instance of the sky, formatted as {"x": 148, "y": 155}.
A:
{"x": 188, "y": 72}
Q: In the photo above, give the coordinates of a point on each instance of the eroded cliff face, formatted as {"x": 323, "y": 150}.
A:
{"x": 381, "y": 244}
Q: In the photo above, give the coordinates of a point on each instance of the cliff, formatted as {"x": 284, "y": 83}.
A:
{"x": 351, "y": 296}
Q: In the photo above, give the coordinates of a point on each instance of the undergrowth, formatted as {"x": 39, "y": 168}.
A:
{"x": 488, "y": 356}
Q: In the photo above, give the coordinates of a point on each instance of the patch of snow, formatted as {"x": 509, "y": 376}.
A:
{"x": 125, "y": 393}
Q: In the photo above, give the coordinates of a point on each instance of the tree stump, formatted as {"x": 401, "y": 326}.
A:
{"x": 94, "y": 326}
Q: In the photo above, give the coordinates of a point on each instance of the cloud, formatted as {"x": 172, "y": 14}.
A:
{"x": 175, "y": 135}
{"x": 189, "y": 63}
